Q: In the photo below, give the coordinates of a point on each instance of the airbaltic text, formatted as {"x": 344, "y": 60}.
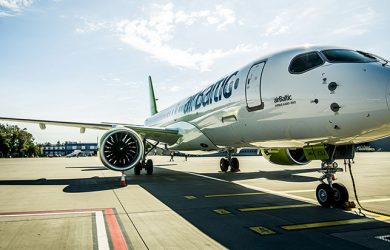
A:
{"x": 215, "y": 92}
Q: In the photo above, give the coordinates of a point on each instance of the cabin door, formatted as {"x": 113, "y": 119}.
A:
{"x": 253, "y": 87}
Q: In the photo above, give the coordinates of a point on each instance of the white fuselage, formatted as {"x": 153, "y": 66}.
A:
{"x": 264, "y": 105}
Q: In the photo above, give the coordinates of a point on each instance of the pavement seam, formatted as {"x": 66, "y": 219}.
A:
{"x": 128, "y": 215}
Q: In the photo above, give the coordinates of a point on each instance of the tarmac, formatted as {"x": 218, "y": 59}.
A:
{"x": 76, "y": 203}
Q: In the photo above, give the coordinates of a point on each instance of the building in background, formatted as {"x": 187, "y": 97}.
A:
{"x": 380, "y": 145}
{"x": 90, "y": 149}
{"x": 67, "y": 148}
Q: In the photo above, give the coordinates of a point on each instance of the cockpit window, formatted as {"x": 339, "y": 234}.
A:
{"x": 347, "y": 56}
{"x": 375, "y": 57}
{"x": 305, "y": 62}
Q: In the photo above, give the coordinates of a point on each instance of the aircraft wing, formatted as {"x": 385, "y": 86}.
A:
{"x": 169, "y": 136}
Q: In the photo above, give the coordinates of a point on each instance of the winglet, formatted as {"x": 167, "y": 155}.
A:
{"x": 153, "y": 105}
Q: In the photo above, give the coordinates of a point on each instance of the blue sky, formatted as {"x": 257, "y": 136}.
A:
{"x": 88, "y": 61}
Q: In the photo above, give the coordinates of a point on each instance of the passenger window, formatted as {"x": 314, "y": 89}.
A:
{"x": 305, "y": 62}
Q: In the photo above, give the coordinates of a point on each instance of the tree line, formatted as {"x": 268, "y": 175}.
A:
{"x": 17, "y": 142}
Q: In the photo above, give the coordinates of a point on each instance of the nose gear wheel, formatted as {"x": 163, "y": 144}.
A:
{"x": 324, "y": 194}
{"x": 328, "y": 193}
{"x": 340, "y": 195}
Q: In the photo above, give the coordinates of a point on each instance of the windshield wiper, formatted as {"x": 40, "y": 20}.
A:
{"x": 375, "y": 57}
{"x": 384, "y": 61}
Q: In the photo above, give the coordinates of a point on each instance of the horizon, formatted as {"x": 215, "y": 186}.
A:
{"x": 89, "y": 62}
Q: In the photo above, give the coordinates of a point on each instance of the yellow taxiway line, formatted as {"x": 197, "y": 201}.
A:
{"x": 326, "y": 224}
{"x": 262, "y": 230}
{"x": 228, "y": 195}
{"x": 251, "y": 209}
{"x": 221, "y": 211}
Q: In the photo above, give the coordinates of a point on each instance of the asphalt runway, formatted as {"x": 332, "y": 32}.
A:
{"x": 75, "y": 203}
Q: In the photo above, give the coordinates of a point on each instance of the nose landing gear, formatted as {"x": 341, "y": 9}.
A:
{"x": 331, "y": 194}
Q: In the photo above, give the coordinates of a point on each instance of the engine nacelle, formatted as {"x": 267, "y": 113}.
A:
{"x": 121, "y": 149}
{"x": 285, "y": 156}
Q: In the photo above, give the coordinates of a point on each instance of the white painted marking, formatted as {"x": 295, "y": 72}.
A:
{"x": 290, "y": 196}
{"x": 100, "y": 225}
{"x": 375, "y": 200}
{"x": 208, "y": 177}
{"x": 260, "y": 189}
{"x": 384, "y": 237}
{"x": 44, "y": 214}
{"x": 101, "y": 231}
{"x": 298, "y": 191}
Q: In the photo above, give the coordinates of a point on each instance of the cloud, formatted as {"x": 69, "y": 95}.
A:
{"x": 154, "y": 35}
{"x": 91, "y": 25}
{"x": 278, "y": 25}
{"x": 220, "y": 17}
{"x": 224, "y": 17}
{"x": 356, "y": 24}
{"x": 13, "y": 7}
{"x": 3, "y": 14}
{"x": 346, "y": 20}
{"x": 113, "y": 81}
{"x": 155, "y": 45}
{"x": 175, "y": 88}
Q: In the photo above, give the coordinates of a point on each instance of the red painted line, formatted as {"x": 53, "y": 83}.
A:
{"x": 115, "y": 232}
{"x": 52, "y": 211}
{"x": 117, "y": 238}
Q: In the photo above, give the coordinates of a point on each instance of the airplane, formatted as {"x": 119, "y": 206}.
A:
{"x": 297, "y": 105}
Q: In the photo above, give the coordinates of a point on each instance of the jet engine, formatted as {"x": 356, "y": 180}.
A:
{"x": 285, "y": 156}
{"x": 121, "y": 149}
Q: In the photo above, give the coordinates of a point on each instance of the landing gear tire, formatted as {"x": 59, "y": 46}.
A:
{"x": 224, "y": 165}
{"x": 149, "y": 167}
{"x": 234, "y": 165}
{"x": 137, "y": 169}
{"x": 325, "y": 195}
{"x": 341, "y": 195}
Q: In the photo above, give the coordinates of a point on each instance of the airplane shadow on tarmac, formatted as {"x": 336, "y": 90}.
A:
{"x": 80, "y": 185}
{"x": 90, "y": 168}
{"x": 96, "y": 183}
{"x": 280, "y": 175}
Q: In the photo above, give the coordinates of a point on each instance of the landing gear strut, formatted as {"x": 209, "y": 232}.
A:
{"x": 229, "y": 161}
{"x": 146, "y": 164}
{"x": 331, "y": 194}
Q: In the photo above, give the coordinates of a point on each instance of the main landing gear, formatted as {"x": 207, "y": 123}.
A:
{"x": 146, "y": 164}
{"x": 234, "y": 164}
{"x": 331, "y": 194}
